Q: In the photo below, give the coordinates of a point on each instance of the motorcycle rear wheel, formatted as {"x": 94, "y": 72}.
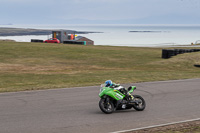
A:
{"x": 139, "y": 103}
{"x": 107, "y": 108}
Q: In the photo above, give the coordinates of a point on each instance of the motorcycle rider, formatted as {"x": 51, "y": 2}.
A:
{"x": 115, "y": 86}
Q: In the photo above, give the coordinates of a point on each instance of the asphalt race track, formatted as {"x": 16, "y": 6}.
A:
{"x": 76, "y": 110}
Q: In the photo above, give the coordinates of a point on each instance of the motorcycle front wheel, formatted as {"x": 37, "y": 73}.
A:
{"x": 139, "y": 103}
{"x": 106, "y": 106}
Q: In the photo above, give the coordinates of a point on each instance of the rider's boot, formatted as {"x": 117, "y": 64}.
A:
{"x": 130, "y": 97}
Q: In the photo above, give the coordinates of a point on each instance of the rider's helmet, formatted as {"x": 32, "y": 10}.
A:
{"x": 108, "y": 83}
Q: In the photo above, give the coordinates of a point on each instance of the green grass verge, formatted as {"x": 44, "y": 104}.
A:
{"x": 32, "y": 66}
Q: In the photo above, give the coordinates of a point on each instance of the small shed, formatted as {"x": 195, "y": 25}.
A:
{"x": 84, "y": 39}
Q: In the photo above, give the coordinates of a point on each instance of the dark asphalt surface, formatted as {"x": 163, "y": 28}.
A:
{"x": 75, "y": 110}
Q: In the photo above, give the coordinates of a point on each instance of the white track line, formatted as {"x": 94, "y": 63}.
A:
{"x": 154, "y": 126}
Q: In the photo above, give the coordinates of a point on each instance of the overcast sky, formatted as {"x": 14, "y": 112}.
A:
{"x": 100, "y": 11}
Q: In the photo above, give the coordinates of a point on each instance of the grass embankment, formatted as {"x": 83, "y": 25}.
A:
{"x": 31, "y": 66}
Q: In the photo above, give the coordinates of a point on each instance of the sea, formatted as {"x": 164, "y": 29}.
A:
{"x": 135, "y": 35}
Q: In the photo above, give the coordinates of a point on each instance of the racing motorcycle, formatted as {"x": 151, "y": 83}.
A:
{"x": 117, "y": 99}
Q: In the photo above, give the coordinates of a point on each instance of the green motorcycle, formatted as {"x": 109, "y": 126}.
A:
{"x": 116, "y": 98}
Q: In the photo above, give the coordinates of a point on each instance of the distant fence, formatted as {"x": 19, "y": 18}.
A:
{"x": 168, "y": 53}
{"x": 36, "y": 40}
